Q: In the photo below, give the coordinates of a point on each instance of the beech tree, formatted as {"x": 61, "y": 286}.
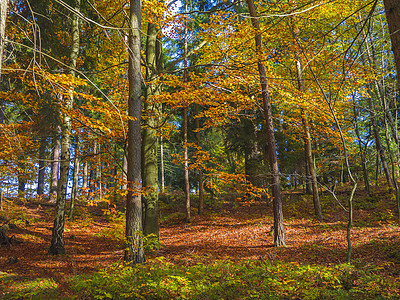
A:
{"x": 134, "y": 253}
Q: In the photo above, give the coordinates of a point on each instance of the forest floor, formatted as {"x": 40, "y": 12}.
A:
{"x": 229, "y": 231}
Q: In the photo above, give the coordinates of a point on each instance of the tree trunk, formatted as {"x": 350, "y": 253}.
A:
{"x": 3, "y": 17}
{"x": 55, "y": 163}
{"x": 162, "y": 164}
{"x": 75, "y": 179}
{"x": 185, "y": 132}
{"x": 125, "y": 171}
{"x": 200, "y": 172}
{"x": 308, "y": 148}
{"x": 279, "y": 229}
{"x": 41, "y": 169}
{"x": 134, "y": 252}
{"x": 21, "y": 177}
{"x": 392, "y": 10}
{"x": 57, "y": 240}
{"x": 362, "y": 152}
{"x": 379, "y": 148}
{"x": 150, "y": 140}
{"x": 85, "y": 176}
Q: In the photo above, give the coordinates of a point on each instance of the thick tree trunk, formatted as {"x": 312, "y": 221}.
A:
{"x": 55, "y": 157}
{"x": 41, "y": 169}
{"x": 150, "y": 140}
{"x": 134, "y": 252}
{"x": 279, "y": 229}
{"x": 57, "y": 240}
{"x": 392, "y": 10}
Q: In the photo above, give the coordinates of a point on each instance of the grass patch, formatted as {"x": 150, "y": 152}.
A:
{"x": 41, "y": 288}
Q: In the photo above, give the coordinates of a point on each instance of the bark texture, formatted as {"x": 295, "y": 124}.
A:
{"x": 392, "y": 10}
{"x": 150, "y": 140}
{"x": 55, "y": 157}
{"x": 134, "y": 253}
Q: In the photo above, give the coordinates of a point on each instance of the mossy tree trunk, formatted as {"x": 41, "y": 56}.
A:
{"x": 134, "y": 253}
{"x": 150, "y": 140}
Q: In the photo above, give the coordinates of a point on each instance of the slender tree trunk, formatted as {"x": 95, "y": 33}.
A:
{"x": 21, "y": 176}
{"x": 3, "y": 17}
{"x": 125, "y": 171}
{"x": 75, "y": 179}
{"x": 200, "y": 172}
{"x": 85, "y": 177}
{"x": 57, "y": 240}
{"x": 150, "y": 140}
{"x": 185, "y": 131}
{"x": 279, "y": 229}
{"x": 41, "y": 170}
{"x": 55, "y": 163}
{"x": 134, "y": 253}
{"x": 308, "y": 147}
{"x": 379, "y": 148}
{"x": 378, "y": 144}
{"x": 162, "y": 164}
{"x": 362, "y": 152}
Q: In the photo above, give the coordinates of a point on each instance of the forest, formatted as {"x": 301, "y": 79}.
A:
{"x": 182, "y": 149}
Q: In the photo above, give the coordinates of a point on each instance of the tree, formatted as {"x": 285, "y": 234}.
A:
{"x": 134, "y": 253}
{"x": 279, "y": 229}
{"x": 57, "y": 240}
{"x": 150, "y": 140}
{"x": 3, "y": 17}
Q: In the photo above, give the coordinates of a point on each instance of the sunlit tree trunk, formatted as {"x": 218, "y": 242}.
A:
{"x": 41, "y": 169}
{"x": 85, "y": 176}
{"x": 279, "y": 229}
{"x": 200, "y": 172}
{"x": 55, "y": 157}
{"x": 185, "y": 130}
{"x": 162, "y": 164}
{"x": 75, "y": 178}
{"x": 125, "y": 171}
{"x": 134, "y": 252}
{"x": 57, "y": 240}
{"x": 3, "y": 17}
{"x": 150, "y": 140}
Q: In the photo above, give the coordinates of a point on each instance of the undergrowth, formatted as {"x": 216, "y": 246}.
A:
{"x": 228, "y": 280}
